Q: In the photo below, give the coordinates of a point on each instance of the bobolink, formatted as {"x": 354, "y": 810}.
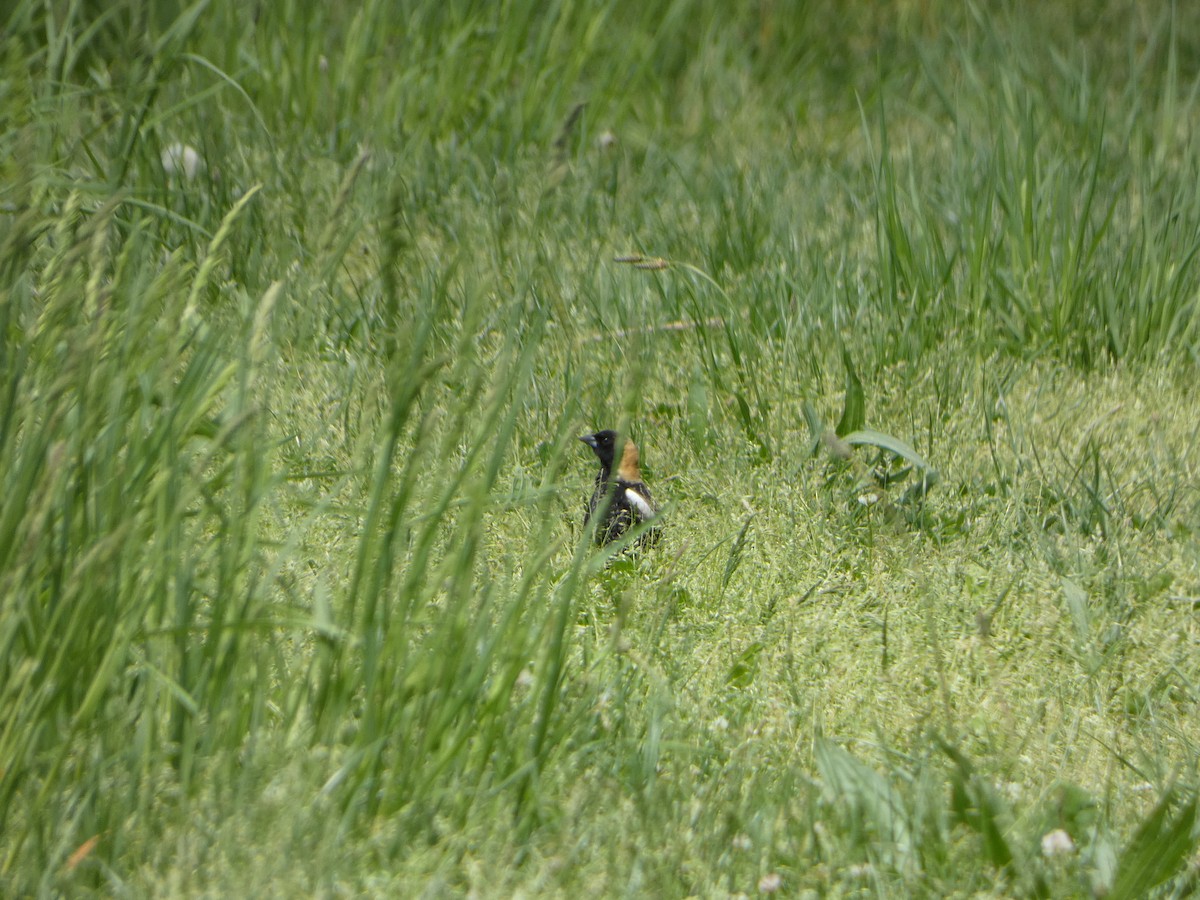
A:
{"x": 631, "y": 503}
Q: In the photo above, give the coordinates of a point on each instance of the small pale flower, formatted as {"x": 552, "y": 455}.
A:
{"x": 770, "y": 883}
{"x": 606, "y": 141}
{"x": 742, "y": 842}
{"x": 1013, "y": 790}
{"x": 180, "y": 159}
{"x": 1057, "y": 843}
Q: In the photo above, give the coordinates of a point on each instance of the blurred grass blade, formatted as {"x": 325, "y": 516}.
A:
{"x": 854, "y": 411}
{"x": 816, "y": 428}
{"x": 1161, "y": 846}
{"x": 976, "y": 804}
{"x": 869, "y": 437}
{"x": 850, "y": 784}
{"x": 735, "y": 553}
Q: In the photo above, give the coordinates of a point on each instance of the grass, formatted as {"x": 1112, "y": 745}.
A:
{"x": 900, "y": 306}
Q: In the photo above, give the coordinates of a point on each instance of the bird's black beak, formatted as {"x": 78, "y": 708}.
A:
{"x": 590, "y": 440}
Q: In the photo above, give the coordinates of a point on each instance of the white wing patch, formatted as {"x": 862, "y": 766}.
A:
{"x": 638, "y": 502}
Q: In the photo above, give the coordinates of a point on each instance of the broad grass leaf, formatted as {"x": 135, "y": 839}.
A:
{"x": 883, "y": 441}
{"x": 816, "y": 427}
{"x": 1161, "y": 845}
{"x": 977, "y": 805}
{"x": 870, "y": 796}
{"x": 742, "y": 672}
{"x": 854, "y": 413}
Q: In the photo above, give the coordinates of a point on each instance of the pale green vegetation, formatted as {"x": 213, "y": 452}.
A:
{"x": 294, "y": 593}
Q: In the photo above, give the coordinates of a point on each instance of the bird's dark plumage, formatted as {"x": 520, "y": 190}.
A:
{"x": 621, "y": 479}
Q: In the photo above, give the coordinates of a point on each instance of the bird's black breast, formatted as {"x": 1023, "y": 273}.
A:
{"x": 623, "y": 512}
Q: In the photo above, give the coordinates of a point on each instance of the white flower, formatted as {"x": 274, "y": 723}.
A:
{"x": 1057, "y": 843}
{"x": 770, "y": 883}
{"x": 179, "y": 158}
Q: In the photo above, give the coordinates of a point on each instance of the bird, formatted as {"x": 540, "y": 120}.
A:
{"x": 630, "y": 502}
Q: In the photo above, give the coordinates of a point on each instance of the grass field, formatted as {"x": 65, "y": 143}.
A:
{"x": 303, "y": 307}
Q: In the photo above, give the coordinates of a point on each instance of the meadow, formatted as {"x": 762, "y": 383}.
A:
{"x": 303, "y": 308}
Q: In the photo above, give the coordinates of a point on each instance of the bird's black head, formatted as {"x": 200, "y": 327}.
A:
{"x": 604, "y": 445}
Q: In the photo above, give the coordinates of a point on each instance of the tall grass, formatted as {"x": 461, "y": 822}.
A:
{"x": 130, "y": 441}
{"x": 294, "y": 595}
